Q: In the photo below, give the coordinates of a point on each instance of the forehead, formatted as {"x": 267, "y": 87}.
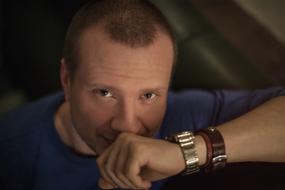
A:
{"x": 99, "y": 55}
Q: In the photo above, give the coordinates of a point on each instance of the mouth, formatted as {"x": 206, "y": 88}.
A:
{"x": 108, "y": 140}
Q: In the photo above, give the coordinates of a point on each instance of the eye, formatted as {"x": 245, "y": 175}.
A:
{"x": 149, "y": 96}
{"x": 103, "y": 92}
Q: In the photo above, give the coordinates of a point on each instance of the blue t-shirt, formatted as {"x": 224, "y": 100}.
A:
{"x": 32, "y": 155}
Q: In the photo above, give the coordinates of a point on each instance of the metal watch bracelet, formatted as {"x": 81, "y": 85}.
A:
{"x": 186, "y": 141}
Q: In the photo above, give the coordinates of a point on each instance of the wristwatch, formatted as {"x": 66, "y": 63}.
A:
{"x": 186, "y": 141}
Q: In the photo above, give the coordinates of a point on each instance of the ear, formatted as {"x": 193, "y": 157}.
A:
{"x": 65, "y": 79}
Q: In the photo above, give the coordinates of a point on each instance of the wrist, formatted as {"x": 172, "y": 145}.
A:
{"x": 186, "y": 142}
{"x": 206, "y": 150}
{"x": 216, "y": 153}
{"x": 180, "y": 162}
{"x": 201, "y": 149}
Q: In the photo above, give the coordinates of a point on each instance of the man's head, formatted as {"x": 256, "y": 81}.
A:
{"x": 116, "y": 70}
{"x": 131, "y": 22}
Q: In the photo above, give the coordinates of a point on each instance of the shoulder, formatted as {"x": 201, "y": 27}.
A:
{"x": 191, "y": 100}
{"x": 21, "y": 133}
{"x": 194, "y": 109}
{"x": 22, "y": 121}
{"x": 206, "y": 97}
{"x": 187, "y": 110}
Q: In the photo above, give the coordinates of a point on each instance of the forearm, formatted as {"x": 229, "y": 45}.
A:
{"x": 256, "y": 136}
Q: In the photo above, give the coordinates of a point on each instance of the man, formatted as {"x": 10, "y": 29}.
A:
{"x": 106, "y": 130}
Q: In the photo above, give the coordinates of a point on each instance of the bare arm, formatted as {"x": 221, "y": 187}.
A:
{"x": 258, "y": 135}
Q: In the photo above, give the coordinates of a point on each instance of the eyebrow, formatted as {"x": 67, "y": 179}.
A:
{"x": 112, "y": 88}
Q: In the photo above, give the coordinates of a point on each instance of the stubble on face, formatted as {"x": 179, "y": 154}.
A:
{"x": 128, "y": 73}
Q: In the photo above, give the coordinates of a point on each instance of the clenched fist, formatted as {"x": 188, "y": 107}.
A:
{"x": 133, "y": 162}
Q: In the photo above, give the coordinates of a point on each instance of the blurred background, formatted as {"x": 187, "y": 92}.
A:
{"x": 232, "y": 44}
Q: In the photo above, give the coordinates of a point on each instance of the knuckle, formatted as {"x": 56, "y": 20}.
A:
{"x": 100, "y": 161}
{"x": 136, "y": 147}
{"x": 124, "y": 138}
{"x": 123, "y": 135}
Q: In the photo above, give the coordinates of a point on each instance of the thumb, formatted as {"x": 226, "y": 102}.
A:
{"x": 103, "y": 184}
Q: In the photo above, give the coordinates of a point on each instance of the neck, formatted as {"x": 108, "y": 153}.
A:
{"x": 67, "y": 132}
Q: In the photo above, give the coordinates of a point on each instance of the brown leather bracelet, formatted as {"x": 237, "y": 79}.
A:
{"x": 208, "y": 146}
{"x": 216, "y": 154}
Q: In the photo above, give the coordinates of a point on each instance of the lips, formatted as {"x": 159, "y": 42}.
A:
{"x": 108, "y": 140}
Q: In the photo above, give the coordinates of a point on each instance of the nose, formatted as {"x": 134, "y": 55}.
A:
{"x": 126, "y": 118}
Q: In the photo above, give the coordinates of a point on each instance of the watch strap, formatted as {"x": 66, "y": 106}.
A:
{"x": 216, "y": 153}
{"x": 186, "y": 141}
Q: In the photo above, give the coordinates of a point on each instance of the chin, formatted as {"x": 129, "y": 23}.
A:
{"x": 101, "y": 145}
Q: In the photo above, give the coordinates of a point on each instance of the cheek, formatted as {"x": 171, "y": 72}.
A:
{"x": 152, "y": 116}
{"x": 91, "y": 114}
{"x": 91, "y": 119}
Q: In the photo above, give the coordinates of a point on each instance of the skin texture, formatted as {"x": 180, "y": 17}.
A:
{"x": 116, "y": 87}
{"x": 117, "y": 101}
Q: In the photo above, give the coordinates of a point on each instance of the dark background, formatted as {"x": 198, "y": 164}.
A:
{"x": 220, "y": 46}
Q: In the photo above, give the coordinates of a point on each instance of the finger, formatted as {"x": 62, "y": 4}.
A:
{"x": 104, "y": 184}
{"x": 122, "y": 162}
{"x": 133, "y": 173}
{"x": 111, "y": 165}
{"x": 101, "y": 161}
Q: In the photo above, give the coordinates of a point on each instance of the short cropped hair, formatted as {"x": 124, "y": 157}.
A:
{"x": 131, "y": 22}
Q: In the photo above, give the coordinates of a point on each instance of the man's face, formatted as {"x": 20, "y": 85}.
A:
{"x": 118, "y": 88}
